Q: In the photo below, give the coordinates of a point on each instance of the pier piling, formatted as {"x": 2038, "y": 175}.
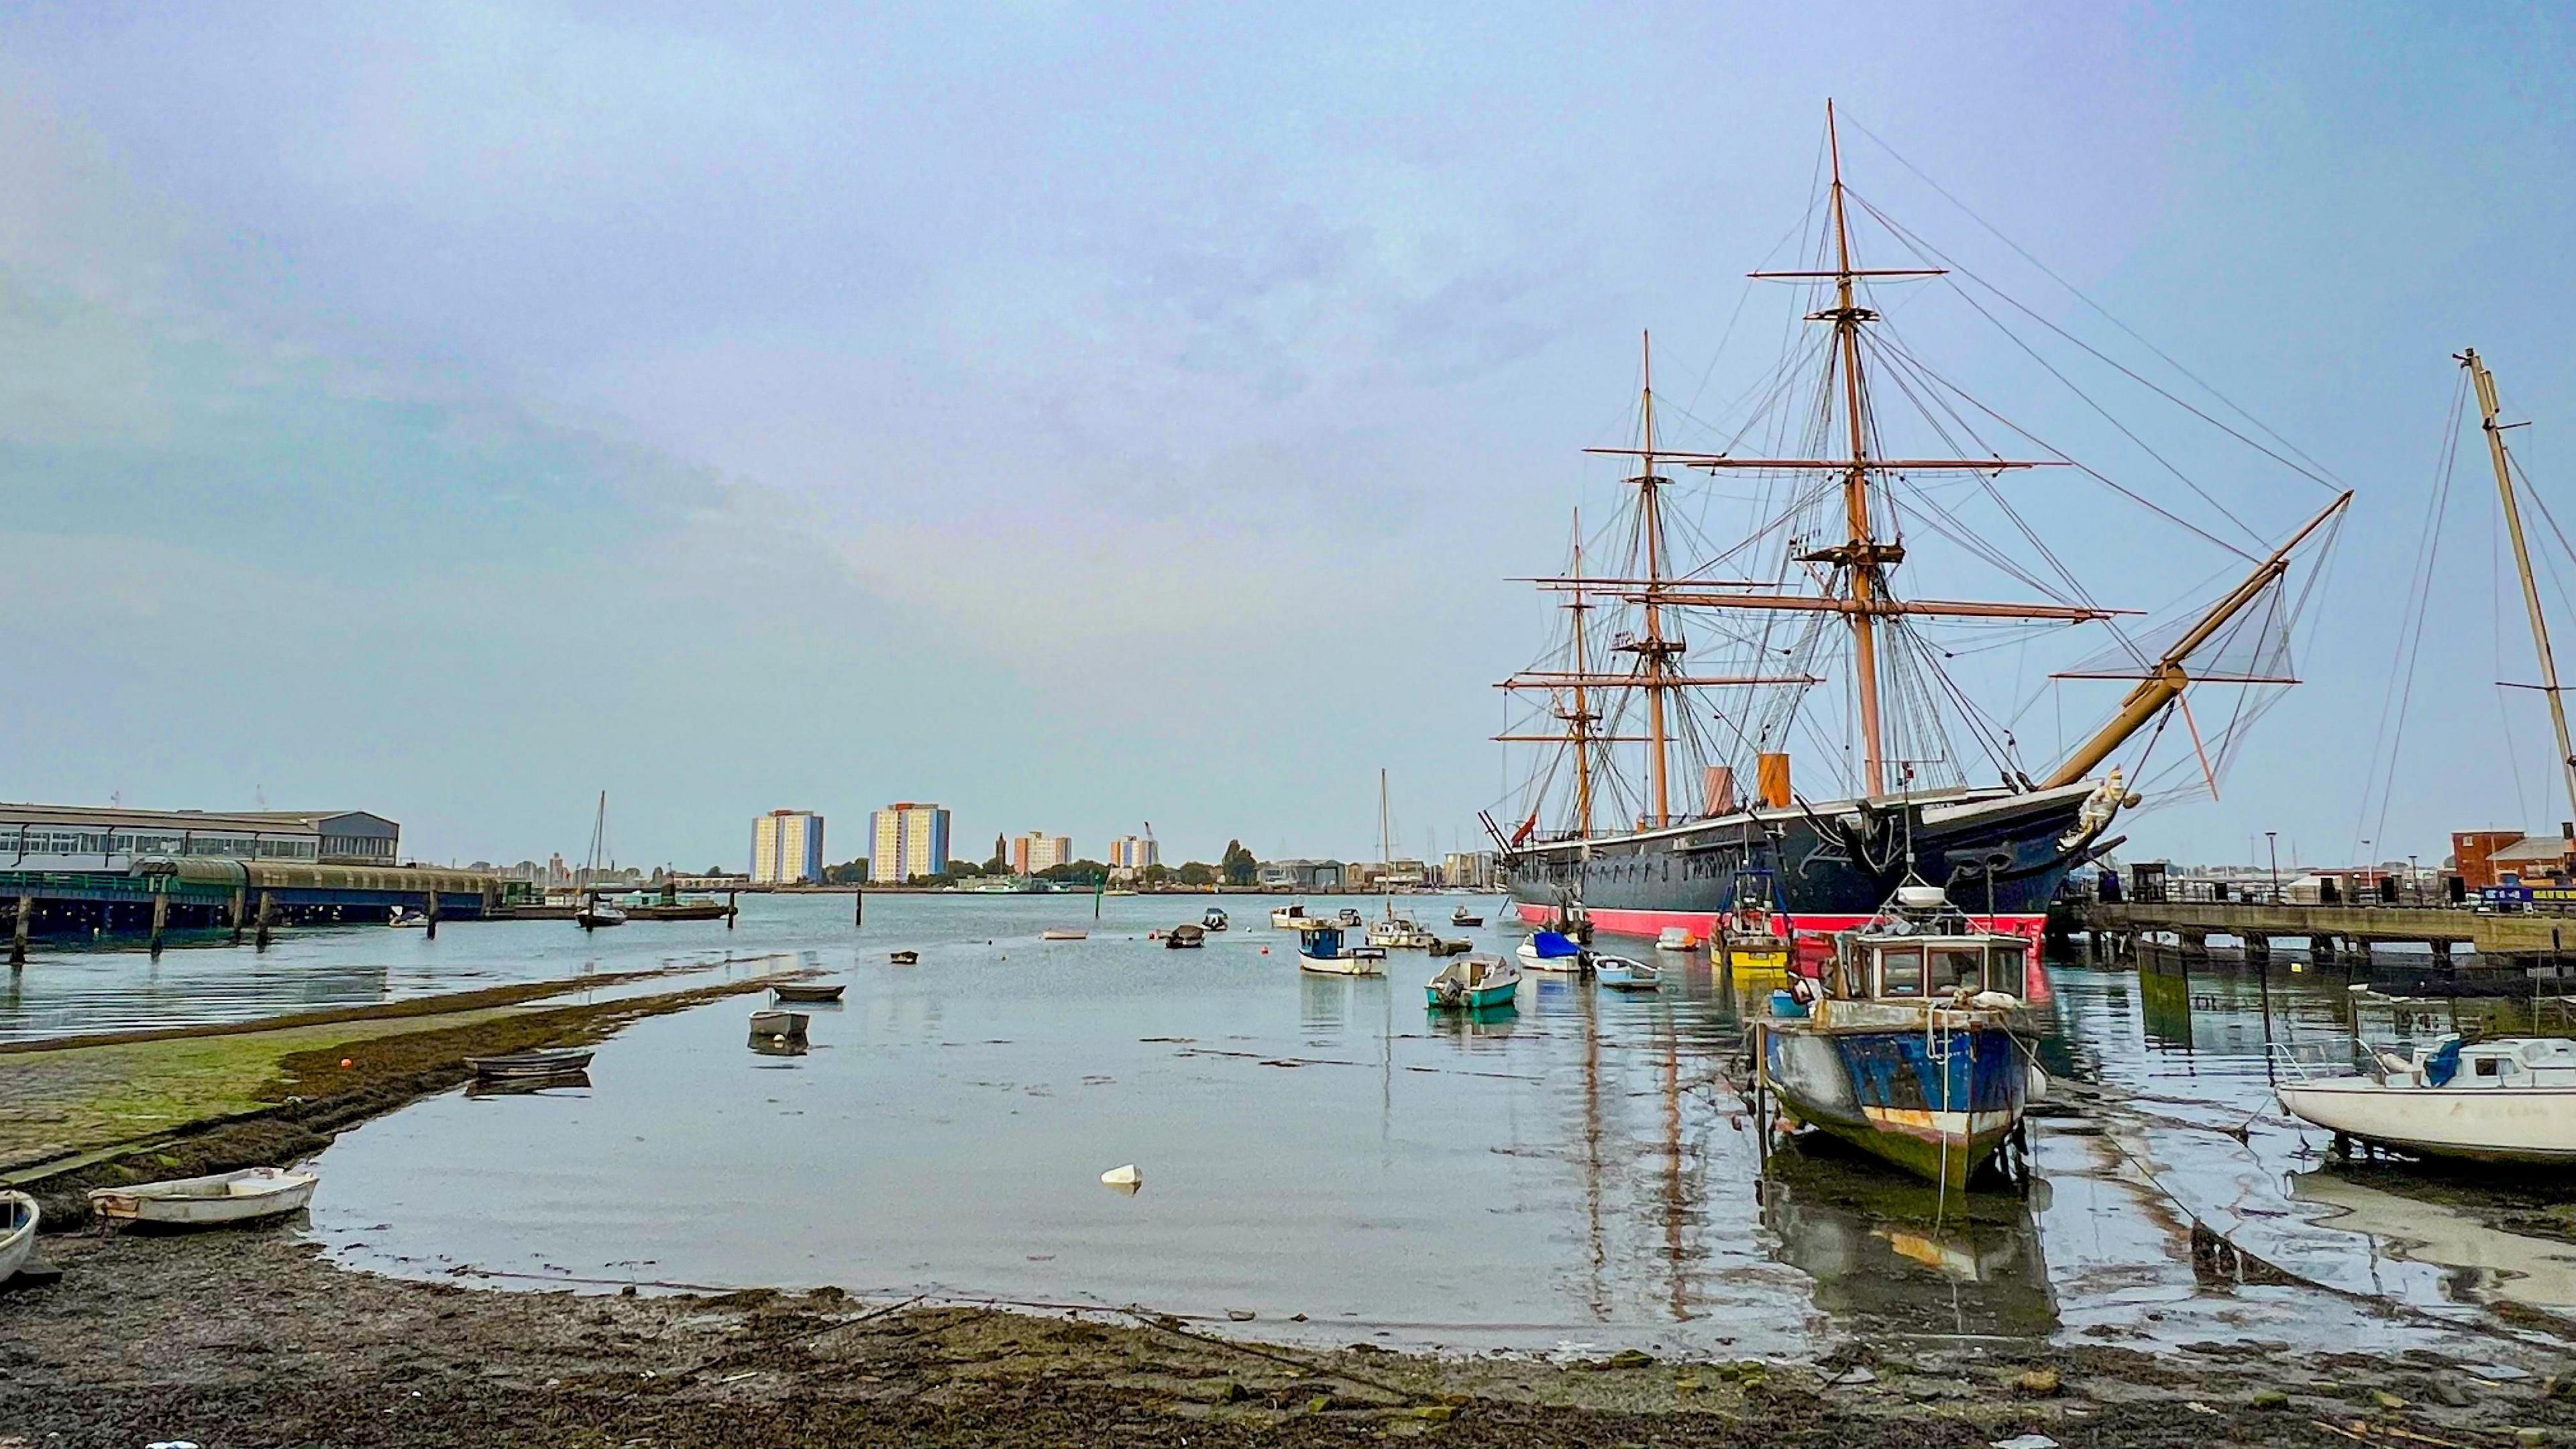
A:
{"x": 18, "y": 931}
{"x": 160, "y": 917}
{"x": 267, "y": 914}
{"x": 433, "y": 915}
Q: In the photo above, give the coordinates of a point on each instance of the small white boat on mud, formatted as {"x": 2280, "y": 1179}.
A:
{"x": 530, "y": 1064}
{"x": 204, "y": 1202}
{"x": 1327, "y": 950}
{"x": 18, "y": 1215}
{"x": 2508, "y": 1100}
{"x": 1624, "y": 973}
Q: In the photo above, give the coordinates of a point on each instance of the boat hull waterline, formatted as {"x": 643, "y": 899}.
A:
{"x": 1938, "y": 1107}
{"x": 2532, "y": 1125}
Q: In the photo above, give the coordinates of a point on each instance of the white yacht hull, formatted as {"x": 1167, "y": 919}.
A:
{"x": 16, "y": 1243}
{"x": 1342, "y": 965}
{"x": 2488, "y": 1124}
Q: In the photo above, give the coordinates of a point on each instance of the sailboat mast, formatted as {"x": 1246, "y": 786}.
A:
{"x": 2487, "y": 409}
{"x": 1862, "y": 550}
{"x": 1385, "y": 851}
{"x": 1656, "y": 655}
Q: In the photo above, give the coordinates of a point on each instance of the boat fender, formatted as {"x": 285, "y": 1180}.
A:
{"x": 2035, "y": 1088}
{"x": 1995, "y": 1000}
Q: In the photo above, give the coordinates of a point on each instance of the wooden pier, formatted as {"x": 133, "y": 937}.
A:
{"x": 2328, "y": 931}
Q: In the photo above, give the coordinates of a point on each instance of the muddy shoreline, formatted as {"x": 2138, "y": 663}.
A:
{"x": 249, "y": 1338}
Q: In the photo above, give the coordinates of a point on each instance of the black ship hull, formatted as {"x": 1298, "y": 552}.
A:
{"x": 2001, "y": 855}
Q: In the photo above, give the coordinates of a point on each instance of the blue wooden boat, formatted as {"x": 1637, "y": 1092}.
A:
{"x": 1915, "y": 1045}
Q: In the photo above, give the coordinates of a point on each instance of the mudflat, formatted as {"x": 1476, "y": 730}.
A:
{"x": 249, "y": 1338}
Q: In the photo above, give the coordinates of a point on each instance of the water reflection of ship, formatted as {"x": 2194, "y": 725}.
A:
{"x": 1887, "y": 1253}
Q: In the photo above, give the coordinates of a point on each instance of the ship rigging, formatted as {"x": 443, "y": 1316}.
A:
{"x": 1805, "y": 613}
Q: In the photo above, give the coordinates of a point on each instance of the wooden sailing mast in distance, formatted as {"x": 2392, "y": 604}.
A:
{"x": 1858, "y": 588}
{"x": 2488, "y": 408}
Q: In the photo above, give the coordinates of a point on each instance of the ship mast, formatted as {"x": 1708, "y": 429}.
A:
{"x": 1654, "y": 652}
{"x": 1861, "y": 553}
{"x": 1578, "y": 723}
{"x": 2496, "y": 454}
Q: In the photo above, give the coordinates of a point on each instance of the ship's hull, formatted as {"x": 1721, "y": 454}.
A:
{"x": 2001, "y": 856}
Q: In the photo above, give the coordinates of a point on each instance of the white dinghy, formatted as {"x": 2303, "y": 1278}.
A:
{"x": 203, "y": 1202}
{"x": 18, "y": 1216}
{"x": 2509, "y": 1100}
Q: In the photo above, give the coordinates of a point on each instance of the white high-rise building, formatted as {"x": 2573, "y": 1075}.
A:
{"x": 907, "y": 839}
{"x": 787, "y": 848}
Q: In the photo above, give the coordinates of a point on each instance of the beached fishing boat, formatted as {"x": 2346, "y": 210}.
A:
{"x": 1473, "y": 983}
{"x": 1915, "y": 1045}
{"x": 18, "y": 1217}
{"x": 1329, "y": 950}
{"x": 808, "y": 990}
{"x": 1625, "y": 973}
{"x": 1633, "y": 806}
{"x": 530, "y": 1064}
{"x": 2508, "y": 1100}
{"x": 778, "y": 1023}
{"x": 1550, "y": 951}
{"x": 198, "y": 1202}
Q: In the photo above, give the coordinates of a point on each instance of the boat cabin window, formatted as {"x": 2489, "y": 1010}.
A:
{"x": 1958, "y": 966}
{"x": 1900, "y": 971}
{"x": 2488, "y": 1066}
{"x": 2009, "y": 969}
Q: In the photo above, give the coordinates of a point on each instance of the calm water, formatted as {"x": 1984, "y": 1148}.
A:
{"x": 1565, "y": 1174}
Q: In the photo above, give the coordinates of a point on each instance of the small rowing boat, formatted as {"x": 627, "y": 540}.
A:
{"x": 204, "y": 1202}
{"x": 904, "y": 958}
{"x": 808, "y": 990}
{"x": 1474, "y": 982}
{"x": 1064, "y": 933}
{"x": 18, "y": 1214}
{"x": 530, "y": 1064}
{"x": 1624, "y": 973}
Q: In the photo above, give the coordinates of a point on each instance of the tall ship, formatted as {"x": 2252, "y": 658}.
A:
{"x": 1776, "y": 719}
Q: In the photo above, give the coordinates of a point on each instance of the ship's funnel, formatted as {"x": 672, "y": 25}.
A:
{"x": 1771, "y": 778}
{"x": 1721, "y": 790}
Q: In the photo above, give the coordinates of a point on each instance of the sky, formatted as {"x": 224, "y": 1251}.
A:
{"x": 1093, "y": 416}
